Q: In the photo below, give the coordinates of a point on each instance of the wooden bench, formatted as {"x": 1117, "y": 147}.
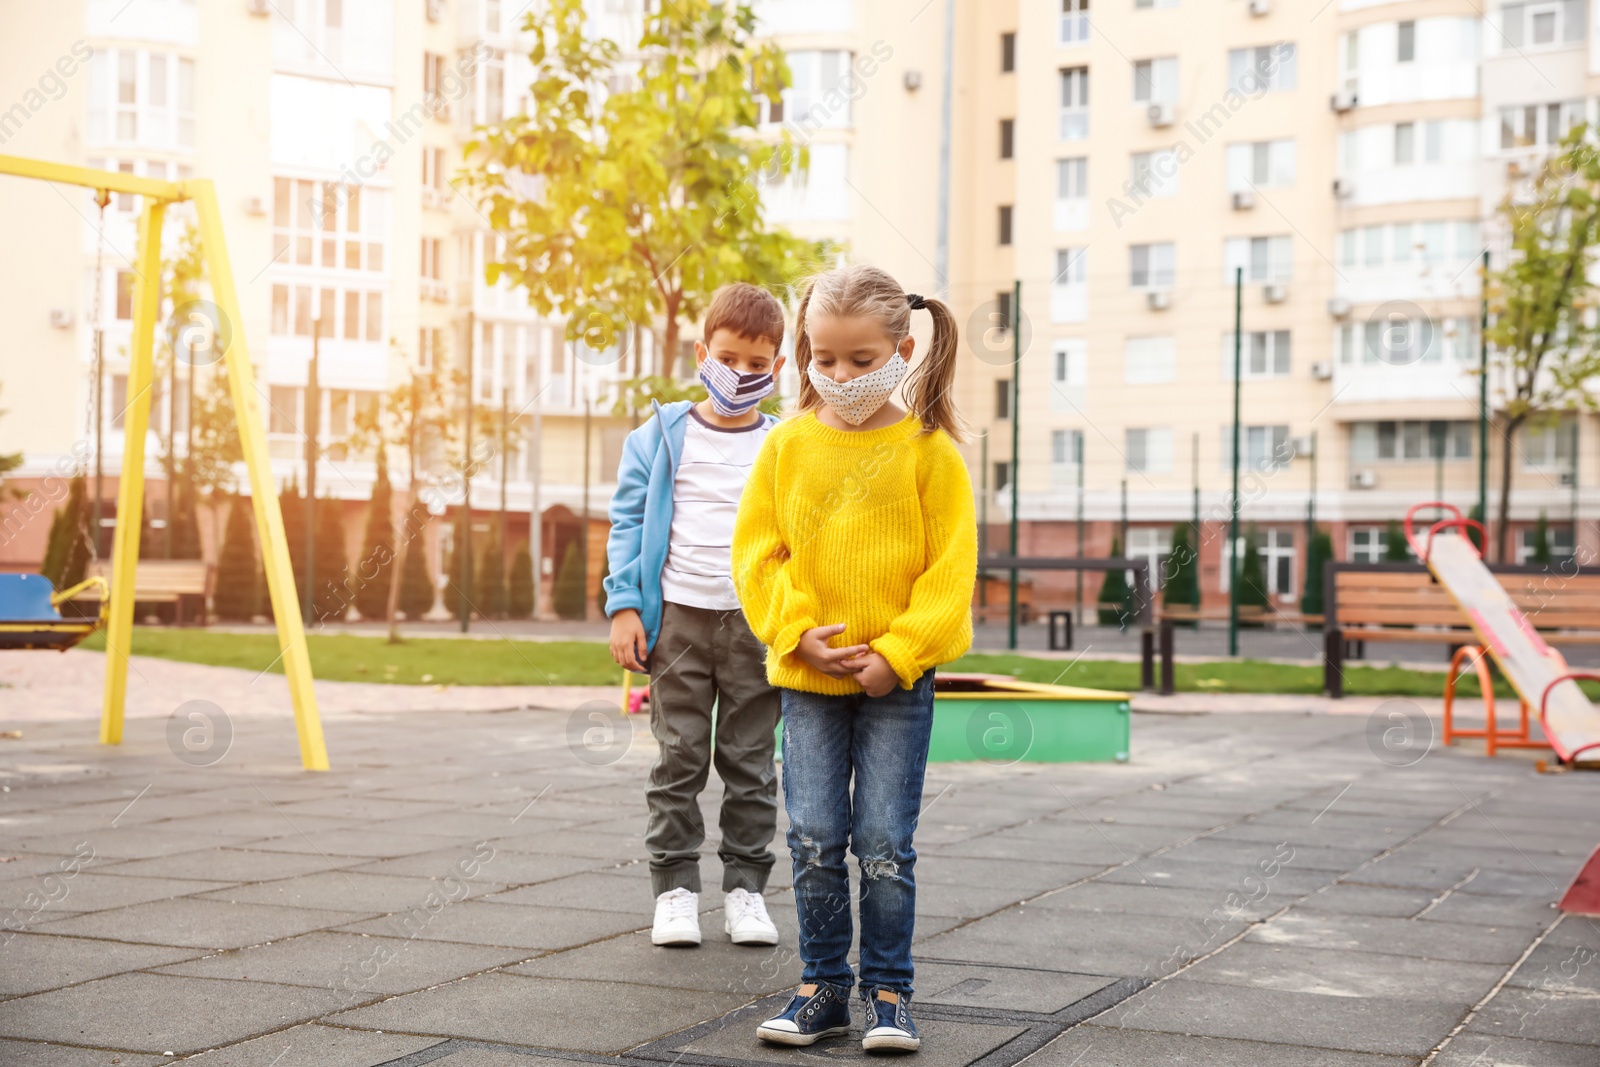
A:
{"x": 997, "y": 588}
{"x": 1401, "y": 602}
{"x": 179, "y": 582}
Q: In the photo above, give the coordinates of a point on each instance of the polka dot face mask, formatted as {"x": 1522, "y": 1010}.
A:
{"x": 856, "y": 400}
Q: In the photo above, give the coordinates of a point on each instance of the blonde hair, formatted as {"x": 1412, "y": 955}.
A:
{"x": 861, "y": 290}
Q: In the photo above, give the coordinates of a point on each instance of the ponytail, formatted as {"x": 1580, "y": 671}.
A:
{"x": 929, "y": 385}
{"x": 810, "y": 399}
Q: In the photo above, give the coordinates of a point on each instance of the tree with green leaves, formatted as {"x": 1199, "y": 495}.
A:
{"x": 1182, "y": 588}
{"x": 333, "y": 594}
{"x": 1114, "y": 606}
{"x": 375, "y": 568}
{"x": 568, "y": 596}
{"x": 417, "y": 592}
{"x": 9, "y": 461}
{"x": 453, "y": 593}
{"x": 520, "y": 595}
{"x": 1252, "y": 575}
{"x": 1394, "y": 544}
{"x": 292, "y": 507}
{"x": 628, "y": 195}
{"x": 1544, "y": 339}
{"x": 237, "y": 598}
{"x": 1313, "y": 600}
{"x": 489, "y": 577}
{"x": 1541, "y": 541}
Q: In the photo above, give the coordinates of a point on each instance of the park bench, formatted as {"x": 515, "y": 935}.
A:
{"x": 182, "y": 583}
{"x": 996, "y": 590}
{"x": 1401, "y": 602}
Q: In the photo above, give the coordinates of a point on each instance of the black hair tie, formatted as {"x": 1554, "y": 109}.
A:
{"x": 916, "y": 301}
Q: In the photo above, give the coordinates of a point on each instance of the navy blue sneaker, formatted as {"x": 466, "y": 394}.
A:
{"x": 889, "y": 1025}
{"x": 809, "y": 1018}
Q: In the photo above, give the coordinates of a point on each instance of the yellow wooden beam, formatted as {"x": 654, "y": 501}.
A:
{"x": 263, "y": 493}
{"x": 116, "y": 181}
{"x": 130, "y": 483}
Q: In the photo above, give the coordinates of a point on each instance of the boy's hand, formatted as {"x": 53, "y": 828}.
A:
{"x": 628, "y": 640}
{"x": 813, "y": 650}
{"x": 877, "y": 678}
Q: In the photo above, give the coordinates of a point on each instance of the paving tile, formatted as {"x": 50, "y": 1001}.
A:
{"x": 508, "y": 925}
{"x": 354, "y": 965}
{"x": 36, "y": 1054}
{"x": 229, "y": 865}
{"x": 1541, "y": 1015}
{"x": 1006, "y": 988}
{"x": 1346, "y": 899}
{"x": 376, "y": 809}
{"x": 1387, "y": 1025}
{"x": 90, "y": 891}
{"x": 1094, "y": 1045}
{"x": 137, "y": 841}
{"x": 378, "y": 844}
{"x": 355, "y": 891}
{"x": 36, "y": 962}
{"x": 1568, "y": 966}
{"x": 595, "y": 892}
{"x": 575, "y": 843}
{"x": 1493, "y": 910}
{"x": 1339, "y": 973}
{"x": 1366, "y": 933}
{"x": 157, "y": 1012}
{"x": 1109, "y": 898}
{"x": 195, "y": 923}
{"x": 717, "y": 965}
{"x": 1483, "y": 1050}
{"x": 505, "y": 866}
{"x": 944, "y": 1044}
{"x": 1288, "y": 883}
{"x": 543, "y": 1012}
{"x": 478, "y": 1056}
{"x": 315, "y": 1046}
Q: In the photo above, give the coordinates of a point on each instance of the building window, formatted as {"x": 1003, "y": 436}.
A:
{"x": 1066, "y": 448}
{"x": 283, "y": 416}
{"x": 1538, "y": 124}
{"x": 428, "y": 351}
{"x": 1155, "y": 81}
{"x": 1264, "y": 259}
{"x": 1549, "y": 446}
{"x": 1005, "y": 224}
{"x": 1260, "y": 163}
{"x": 328, "y": 225}
{"x": 1408, "y": 42}
{"x": 1008, "y": 53}
{"x": 1153, "y": 544}
{"x": 1269, "y": 68}
{"x": 124, "y": 296}
{"x": 1002, "y": 476}
{"x": 1544, "y": 23}
{"x": 433, "y": 67}
{"x": 1155, "y": 174}
{"x": 1008, "y": 129}
{"x": 1069, "y": 289}
{"x": 1074, "y": 103}
{"x": 143, "y": 98}
{"x": 1002, "y": 301}
{"x": 1416, "y": 440}
{"x": 1152, "y": 266}
{"x": 1002, "y": 399}
{"x": 1265, "y": 354}
{"x": 1405, "y": 143}
{"x": 1074, "y": 21}
{"x": 1558, "y": 535}
{"x": 1149, "y": 360}
{"x": 820, "y": 88}
{"x": 1154, "y": 3}
{"x": 1148, "y": 451}
{"x": 1266, "y": 448}
{"x": 1367, "y": 544}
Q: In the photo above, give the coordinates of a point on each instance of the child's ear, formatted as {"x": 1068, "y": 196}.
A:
{"x": 700, "y": 353}
{"x": 906, "y": 347}
{"x": 777, "y": 365}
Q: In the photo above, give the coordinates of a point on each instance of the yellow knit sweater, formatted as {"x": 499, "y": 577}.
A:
{"x": 871, "y": 528}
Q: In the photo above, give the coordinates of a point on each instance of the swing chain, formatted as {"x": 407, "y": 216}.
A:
{"x": 94, "y": 417}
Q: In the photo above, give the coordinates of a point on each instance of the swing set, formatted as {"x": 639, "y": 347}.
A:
{"x": 28, "y": 606}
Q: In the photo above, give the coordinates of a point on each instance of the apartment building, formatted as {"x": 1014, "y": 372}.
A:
{"x": 1120, "y": 158}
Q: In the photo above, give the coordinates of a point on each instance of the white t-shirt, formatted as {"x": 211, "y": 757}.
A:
{"x": 711, "y": 476}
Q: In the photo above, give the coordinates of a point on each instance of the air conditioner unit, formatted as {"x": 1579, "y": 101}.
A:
{"x": 1276, "y": 293}
{"x": 260, "y": 8}
{"x": 1343, "y": 100}
{"x": 435, "y": 10}
{"x": 1343, "y": 188}
{"x": 912, "y": 80}
{"x": 1363, "y": 479}
{"x": 1162, "y": 114}
{"x": 255, "y": 205}
{"x": 1303, "y": 445}
{"x": 1338, "y": 307}
{"x": 60, "y": 318}
{"x": 1322, "y": 370}
{"x": 1159, "y": 299}
{"x": 1515, "y": 170}
{"x": 1259, "y": 8}
{"x": 433, "y": 289}
{"x": 1566, "y": 479}
{"x": 1244, "y": 200}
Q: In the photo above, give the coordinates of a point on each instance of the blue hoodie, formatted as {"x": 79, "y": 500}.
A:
{"x": 641, "y": 515}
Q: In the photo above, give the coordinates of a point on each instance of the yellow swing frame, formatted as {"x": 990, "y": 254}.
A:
{"x": 157, "y": 195}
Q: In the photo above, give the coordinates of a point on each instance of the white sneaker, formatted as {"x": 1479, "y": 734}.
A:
{"x": 677, "y": 918}
{"x": 745, "y": 919}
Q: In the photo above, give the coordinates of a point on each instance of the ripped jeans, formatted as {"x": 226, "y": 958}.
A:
{"x": 883, "y": 742}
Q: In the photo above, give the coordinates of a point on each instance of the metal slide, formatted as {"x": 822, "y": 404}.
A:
{"x": 1538, "y": 673}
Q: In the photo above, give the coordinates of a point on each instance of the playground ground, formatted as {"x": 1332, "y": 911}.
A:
{"x": 1269, "y": 881}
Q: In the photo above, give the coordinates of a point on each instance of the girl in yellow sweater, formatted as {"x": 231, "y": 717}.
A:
{"x": 855, "y": 555}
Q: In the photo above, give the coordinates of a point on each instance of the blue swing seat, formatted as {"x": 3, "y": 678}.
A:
{"x": 29, "y": 617}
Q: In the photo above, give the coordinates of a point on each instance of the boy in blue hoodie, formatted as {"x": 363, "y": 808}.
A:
{"x": 675, "y": 616}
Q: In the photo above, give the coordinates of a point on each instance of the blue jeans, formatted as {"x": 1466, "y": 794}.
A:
{"x": 883, "y": 743}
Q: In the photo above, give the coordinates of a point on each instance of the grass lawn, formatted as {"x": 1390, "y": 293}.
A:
{"x": 452, "y": 661}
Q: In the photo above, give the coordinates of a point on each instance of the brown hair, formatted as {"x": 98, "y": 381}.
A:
{"x": 747, "y": 310}
{"x": 864, "y": 290}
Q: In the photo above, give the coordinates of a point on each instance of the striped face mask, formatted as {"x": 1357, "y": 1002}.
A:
{"x": 733, "y": 394}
